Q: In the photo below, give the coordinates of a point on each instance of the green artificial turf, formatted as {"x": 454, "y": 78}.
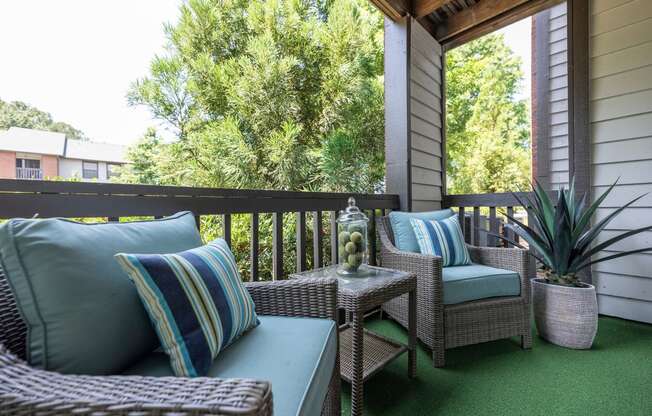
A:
{"x": 498, "y": 378}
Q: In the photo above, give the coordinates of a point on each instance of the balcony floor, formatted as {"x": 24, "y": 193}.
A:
{"x": 498, "y": 378}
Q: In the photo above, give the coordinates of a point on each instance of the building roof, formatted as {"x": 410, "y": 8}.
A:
{"x": 18, "y": 139}
{"x": 102, "y": 152}
{"x": 21, "y": 140}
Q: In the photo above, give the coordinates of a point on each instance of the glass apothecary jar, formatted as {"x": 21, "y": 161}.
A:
{"x": 352, "y": 240}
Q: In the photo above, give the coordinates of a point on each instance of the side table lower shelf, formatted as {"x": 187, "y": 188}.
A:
{"x": 378, "y": 351}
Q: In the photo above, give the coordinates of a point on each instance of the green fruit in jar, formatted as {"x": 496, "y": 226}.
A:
{"x": 345, "y": 237}
{"x": 355, "y": 228}
{"x": 350, "y": 247}
{"x": 346, "y": 266}
{"x": 353, "y": 260}
{"x": 342, "y": 251}
{"x": 356, "y": 237}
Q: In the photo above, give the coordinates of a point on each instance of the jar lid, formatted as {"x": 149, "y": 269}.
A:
{"x": 351, "y": 213}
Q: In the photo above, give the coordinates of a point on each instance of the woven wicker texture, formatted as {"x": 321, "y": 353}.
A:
{"x": 566, "y": 316}
{"x": 25, "y": 391}
{"x": 28, "y": 391}
{"x": 13, "y": 331}
{"x": 442, "y": 326}
{"x": 378, "y": 351}
{"x": 355, "y": 359}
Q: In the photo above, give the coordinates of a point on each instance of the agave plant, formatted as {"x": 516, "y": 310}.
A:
{"x": 561, "y": 235}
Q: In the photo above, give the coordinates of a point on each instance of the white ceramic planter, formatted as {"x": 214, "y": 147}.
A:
{"x": 565, "y": 316}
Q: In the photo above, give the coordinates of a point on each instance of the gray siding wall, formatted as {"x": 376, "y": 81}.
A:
{"x": 558, "y": 97}
{"x": 413, "y": 115}
{"x": 621, "y": 132}
{"x": 552, "y": 96}
{"x": 425, "y": 120}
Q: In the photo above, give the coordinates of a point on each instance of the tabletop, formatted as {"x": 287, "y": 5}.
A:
{"x": 371, "y": 278}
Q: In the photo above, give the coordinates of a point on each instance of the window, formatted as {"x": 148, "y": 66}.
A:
{"x": 89, "y": 170}
{"x": 28, "y": 163}
{"x": 28, "y": 168}
{"x": 111, "y": 170}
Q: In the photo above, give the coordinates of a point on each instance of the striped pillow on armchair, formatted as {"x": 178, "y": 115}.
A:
{"x": 196, "y": 301}
{"x": 442, "y": 238}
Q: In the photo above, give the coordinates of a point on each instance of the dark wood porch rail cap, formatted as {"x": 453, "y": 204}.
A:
{"x": 505, "y": 199}
{"x": 20, "y": 198}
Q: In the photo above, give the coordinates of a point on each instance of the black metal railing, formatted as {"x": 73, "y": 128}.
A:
{"x": 482, "y": 216}
{"x": 114, "y": 201}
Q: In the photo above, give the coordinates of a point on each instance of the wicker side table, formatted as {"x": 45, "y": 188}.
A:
{"x": 362, "y": 352}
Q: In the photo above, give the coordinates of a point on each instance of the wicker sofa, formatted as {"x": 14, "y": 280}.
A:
{"x": 29, "y": 391}
{"x": 441, "y": 326}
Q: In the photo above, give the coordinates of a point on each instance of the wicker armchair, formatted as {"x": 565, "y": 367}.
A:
{"x": 28, "y": 391}
{"x": 441, "y": 326}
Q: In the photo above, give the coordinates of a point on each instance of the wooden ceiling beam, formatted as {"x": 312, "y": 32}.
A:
{"x": 485, "y": 17}
{"x": 475, "y": 15}
{"x": 423, "y": 8}
{"x": 394, "y": 9}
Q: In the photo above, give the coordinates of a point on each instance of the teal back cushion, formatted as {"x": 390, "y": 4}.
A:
{"x": 82, "y": 312}
{"x": 404, "y": 238}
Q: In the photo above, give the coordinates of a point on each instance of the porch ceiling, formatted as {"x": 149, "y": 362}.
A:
{"x": 453, "y": 22}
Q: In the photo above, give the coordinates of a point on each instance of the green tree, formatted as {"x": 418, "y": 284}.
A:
{"x": 276, "y": 94}
{"x": 488, "y": 128}
{"x": 144, "y": 156}
{"x": 19, "y": 114}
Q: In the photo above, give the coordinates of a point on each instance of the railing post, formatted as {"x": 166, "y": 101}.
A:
{"x": 476, "y": 226}
{"x": 277, "y": 246}
{"x": 493, "y": 227}
{"x": 468, "y": 228}
{"x": 509, "y": 234}
{"x": 334, "y": 245}
{"x": 227, "y": 229}
{"x": 254, "y": 247}
{"x": 317, "y": 244}
{"x": 532, "y": 263}
{"x": 301, "y": 241}
{"x": 372, "y": 238}
{"x": 461, "y": 219}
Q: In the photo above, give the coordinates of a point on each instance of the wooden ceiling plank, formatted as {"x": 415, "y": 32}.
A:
{"x": 425, "y": 7}
{"x": 429, "y": 24}
{"x": 394, "y": 9}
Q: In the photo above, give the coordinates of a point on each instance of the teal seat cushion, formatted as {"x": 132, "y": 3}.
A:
{"x": 296, "y": 355}
{"x": 476, "y": 281}
{"x": 404, "y": 238}
{"x": 82, "y": 312}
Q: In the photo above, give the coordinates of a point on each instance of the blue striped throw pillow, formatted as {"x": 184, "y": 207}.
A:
{"x": 196, "y": 301}
{"x": 442, "y": 238}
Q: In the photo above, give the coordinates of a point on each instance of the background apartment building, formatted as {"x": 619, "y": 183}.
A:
{"x": 37, "y": 154}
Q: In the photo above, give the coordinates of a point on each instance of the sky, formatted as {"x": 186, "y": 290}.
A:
{"x": 518, "y": 37}
{"x": 76, "y": 59}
